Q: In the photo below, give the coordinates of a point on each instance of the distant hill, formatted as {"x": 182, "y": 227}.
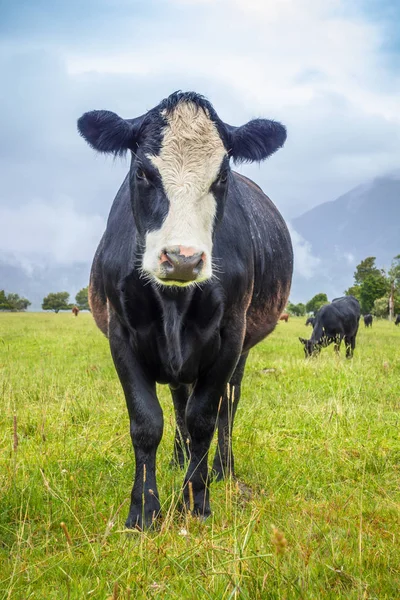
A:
{"x": 364, "y": 222}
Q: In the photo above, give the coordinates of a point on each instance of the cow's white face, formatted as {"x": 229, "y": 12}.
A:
{"x": 189, "y": 162}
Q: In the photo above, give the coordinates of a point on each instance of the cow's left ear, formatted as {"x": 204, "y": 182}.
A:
{"x": 256, "y": 140}
{"x": 107, "y": 132}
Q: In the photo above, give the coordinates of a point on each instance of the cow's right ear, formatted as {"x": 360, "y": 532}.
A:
{"x": 107, "y": 132}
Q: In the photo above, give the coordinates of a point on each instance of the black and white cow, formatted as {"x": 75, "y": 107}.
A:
{"x": 333, "y": 323}
{"x": 193, "y": 270}
{"x": 368, "y": 320}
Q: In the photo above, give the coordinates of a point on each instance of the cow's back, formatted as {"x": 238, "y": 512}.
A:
{"x": 341, "y": 316}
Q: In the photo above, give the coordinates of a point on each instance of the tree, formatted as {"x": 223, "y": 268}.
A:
{"x": 394, "y": 282}
{"x": 4, "y": 305}
{"x": 381, "y": 307}
{"x": 299, "y": 310}
{"x": 82, "y": 300}
{"x": 56, "y": 301}
{"x": 16, "y": 303}
{"x": 370, "y": 284}
{"x": 374, "y": 286}
{"x": 315, "y": 303}
{"x": 366, "y": 268}
{"x": 354, "y": 290}
{"x": 13, "y": 302}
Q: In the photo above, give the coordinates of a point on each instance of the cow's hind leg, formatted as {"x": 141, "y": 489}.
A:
{"x": 350, "y": 346}
{"x": 180, "y": 395}
{"x": 338, "y": 342}
{"x": 223, "y": 465}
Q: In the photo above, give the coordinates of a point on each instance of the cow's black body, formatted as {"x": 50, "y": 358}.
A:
{"x": 195, "y": 339}
{"x": 368, "y": 320}
{"x": 335, "y": 322}
{"x": 397, "y": 321}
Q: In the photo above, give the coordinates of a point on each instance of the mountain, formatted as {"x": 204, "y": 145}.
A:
{"x": 364, "y": 222}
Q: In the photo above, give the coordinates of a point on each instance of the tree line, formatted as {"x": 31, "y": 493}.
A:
{"x": 377, "y": 290}
{"x": 55, "y": 301}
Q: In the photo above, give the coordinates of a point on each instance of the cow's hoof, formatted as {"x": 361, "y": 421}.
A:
{"x": 144, "y": 517}
{"x": 199, "y": 511}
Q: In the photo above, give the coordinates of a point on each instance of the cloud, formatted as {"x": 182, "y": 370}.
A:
{"x": 305, "y": 263}
{"x": 48, "y": 234}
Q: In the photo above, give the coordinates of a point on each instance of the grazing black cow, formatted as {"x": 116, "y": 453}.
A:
{"x": 193, "y": 270}
{"x": 397, "y": 321}
{"x": 368, "y": 320}
{"x": 310, "y": 321}
{"x": 333, "y": 323}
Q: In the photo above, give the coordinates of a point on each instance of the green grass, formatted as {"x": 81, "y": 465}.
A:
{"x": 317, "y": 442}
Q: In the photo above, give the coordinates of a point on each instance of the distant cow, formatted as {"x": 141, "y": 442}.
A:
{"x": 193, "y": 270}
{"x": 75, "y": 311}
{"x": 397, "y": 321}
{"x": 310, "y": 321}
{"x": 335, "y": 322}
{"x": 368, "y": 320}
{"x": 284, "y": 317}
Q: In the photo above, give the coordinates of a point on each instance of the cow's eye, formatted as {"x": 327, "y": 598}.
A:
{"x": 223, "y": 177}
{"x": 141, "y": 175}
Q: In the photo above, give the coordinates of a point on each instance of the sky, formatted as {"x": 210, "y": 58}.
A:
{"x": 329, "y": 71}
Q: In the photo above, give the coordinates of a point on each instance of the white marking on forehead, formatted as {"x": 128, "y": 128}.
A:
{"x": 189, "y": 161}
{"x": 191, "y": 152}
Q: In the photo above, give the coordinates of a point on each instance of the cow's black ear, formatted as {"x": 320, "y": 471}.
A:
{"x": 107, "y": 132}
{"x": 256, "y": 140}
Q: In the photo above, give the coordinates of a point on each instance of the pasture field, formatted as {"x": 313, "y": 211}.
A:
{"x": 316, "y": 441}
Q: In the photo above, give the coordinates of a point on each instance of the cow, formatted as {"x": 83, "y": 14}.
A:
{"x": 368, "y": 320}
{"x": 284, "y": 317}
{"x": 310, "y": 321}
{"x": 397, "y": 321}
{"x": 193, "y": 270}
{"x": 75, "y": 311}
{"x": 333, "y": 323}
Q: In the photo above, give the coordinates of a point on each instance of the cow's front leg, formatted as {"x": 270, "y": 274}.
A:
{"x": 201, "y": 415}
{"x": 146, "y": 427}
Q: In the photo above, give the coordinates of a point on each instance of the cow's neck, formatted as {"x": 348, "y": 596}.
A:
{"x": 174, "y": 305}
